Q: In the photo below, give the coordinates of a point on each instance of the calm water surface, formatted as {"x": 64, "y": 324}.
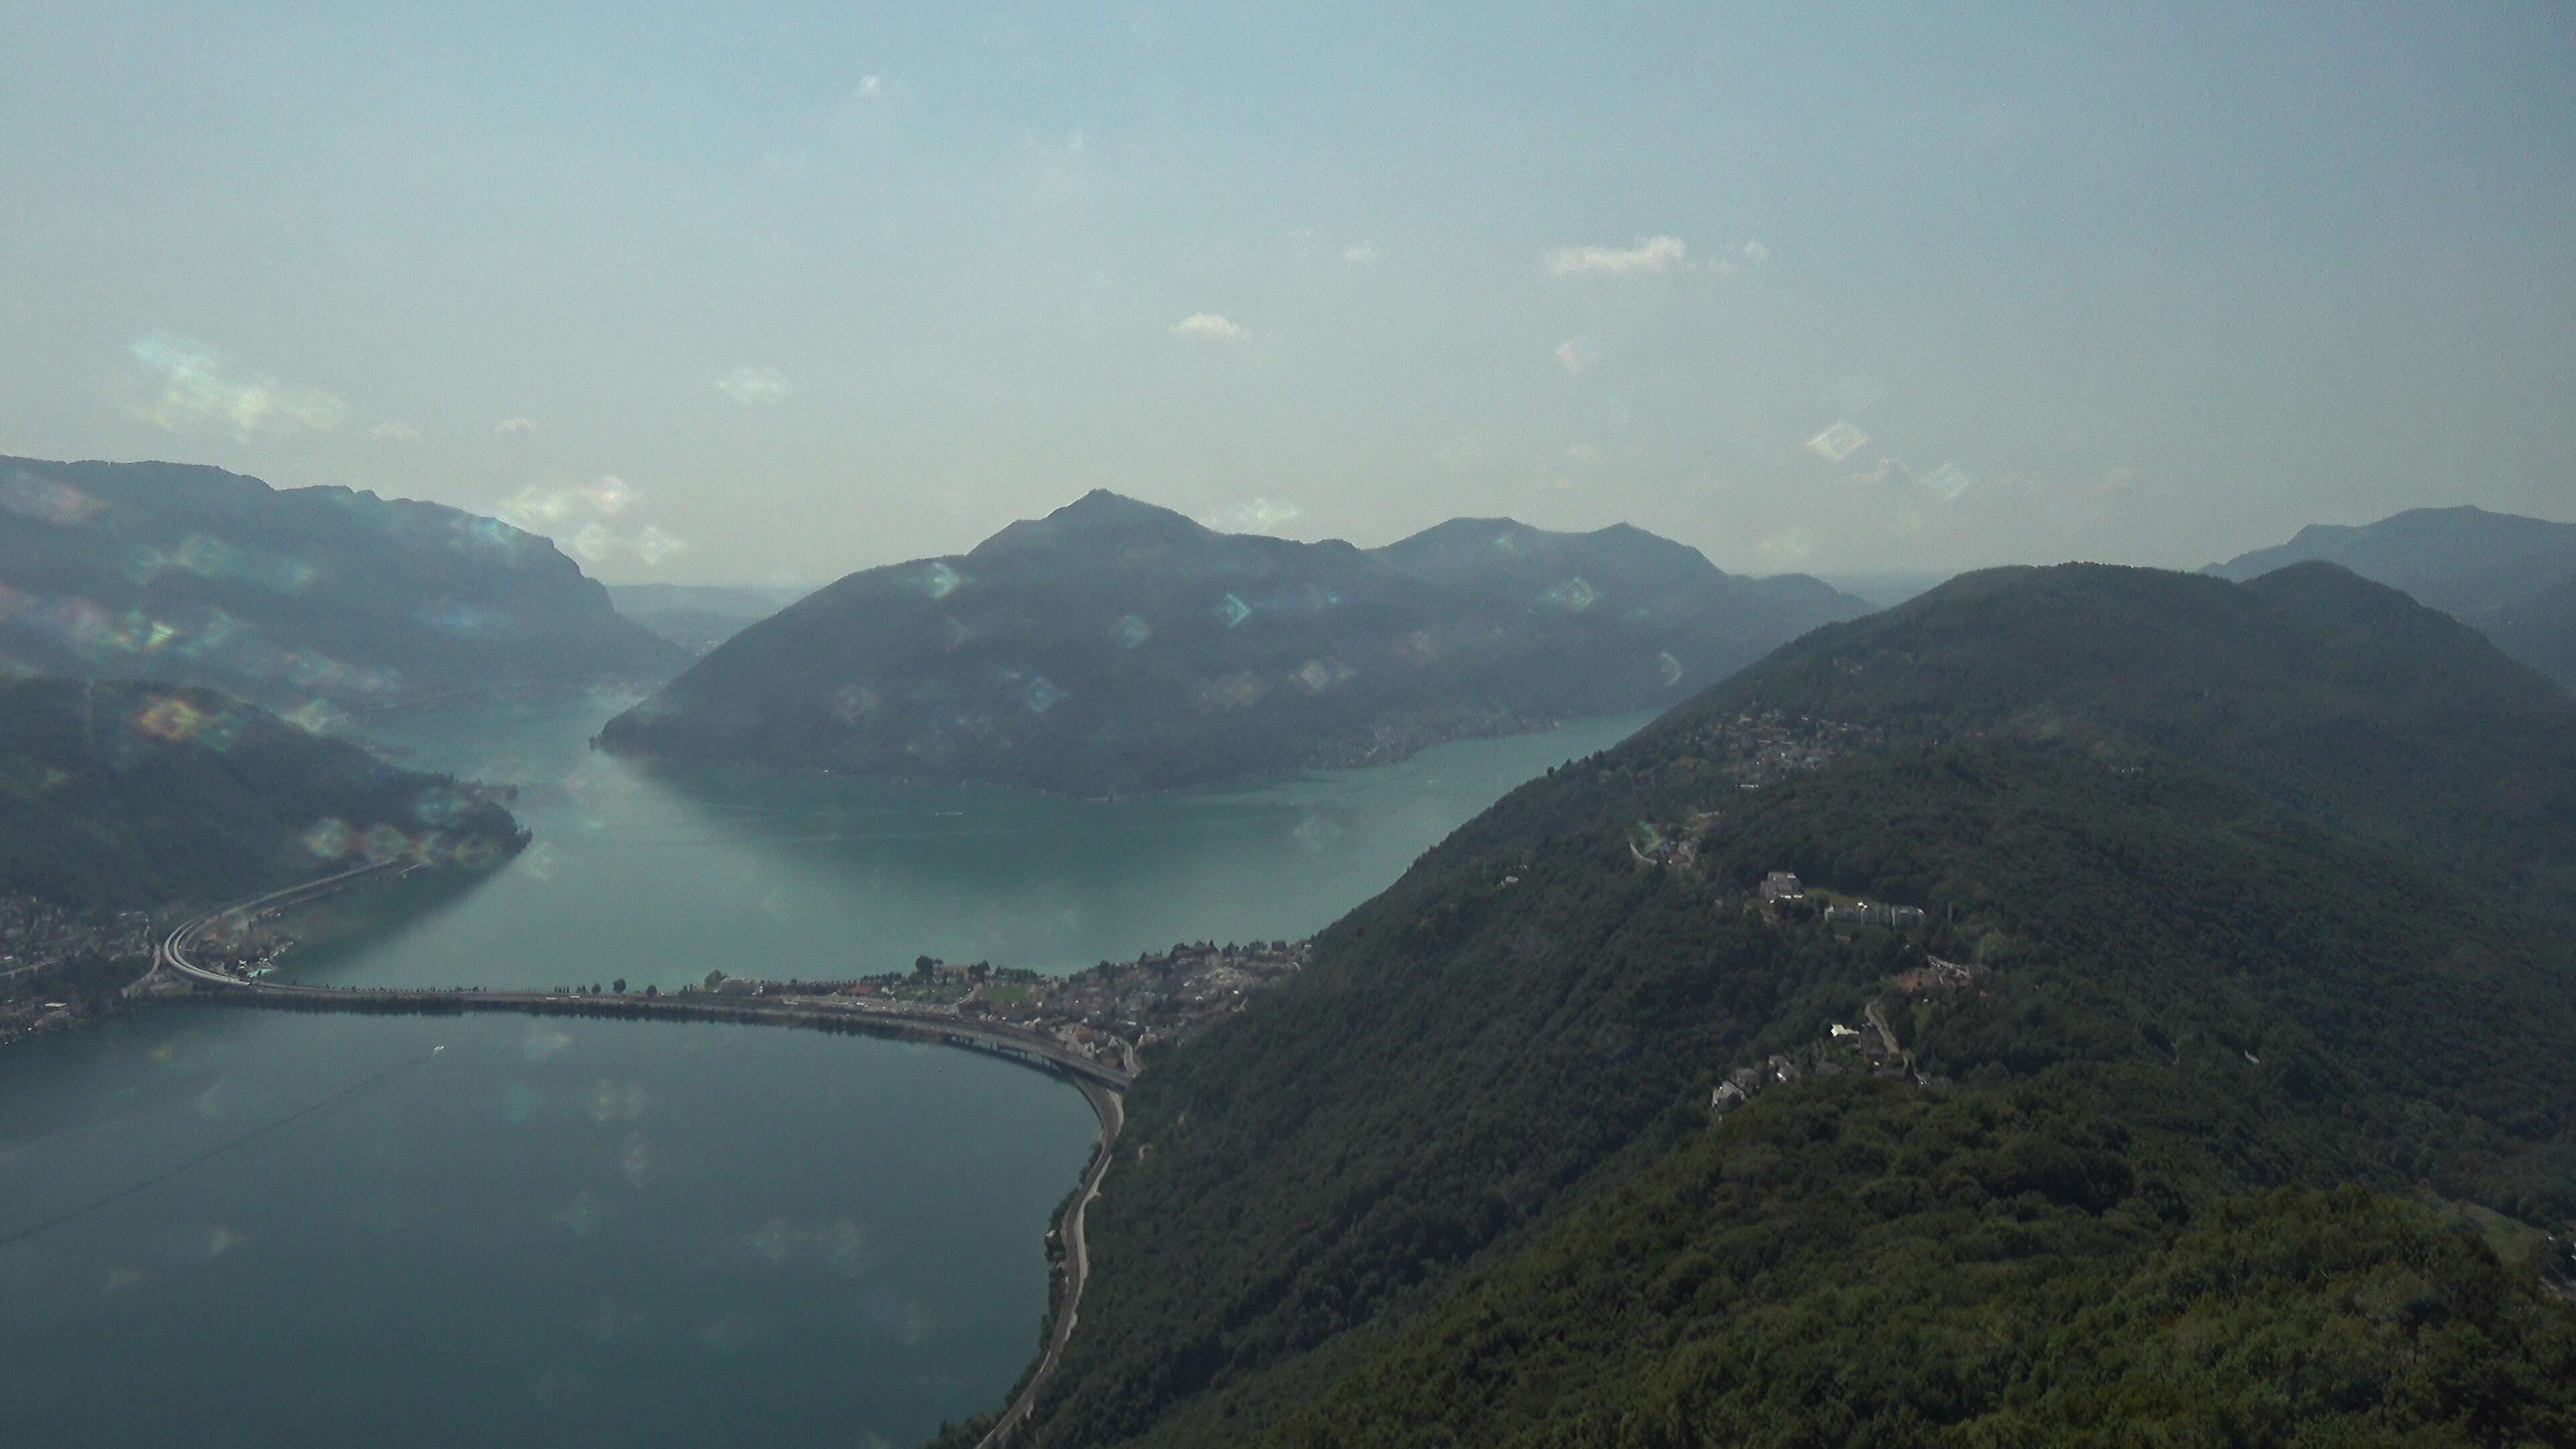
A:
{"x": 631, "y": 1232}
{"x": 661, "y": 875}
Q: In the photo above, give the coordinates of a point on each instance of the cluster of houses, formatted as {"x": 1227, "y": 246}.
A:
{"x": 1160, "y": 996}
{"x": 1780, "y": 886}
{"x": 1875, "y": 913}
{"x": 38, "y": 936}
{"x": 1758, "y": 749}
{"x": 1936, "y": 974}
{"x": 1869, "y": 1049}
{"x": 40, "y": 942}
{"x": 1107, "y": 1011}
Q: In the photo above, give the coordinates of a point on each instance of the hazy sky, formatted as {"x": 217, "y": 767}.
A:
{"x": 752, "y": 292}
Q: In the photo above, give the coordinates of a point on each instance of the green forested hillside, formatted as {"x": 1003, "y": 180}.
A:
{"x": 126, "y": 796}
{"x": 2327, "y": 694}
{"x": 1459, "y": 1185}
{"x": 2541, "y": 631}
{"x": 1116, "y": 647}
{"x": 287, "y": 597}
{"x": 2504, "y": 574}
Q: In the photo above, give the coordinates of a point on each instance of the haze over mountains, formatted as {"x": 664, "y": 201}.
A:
{"x": 2252, "y": 1032}
{"x": 698, "y": 617}
{"x": 2513, "y": 578}
{"x": 1114, "y": 647}
{"x": 2220, "y": 1088}
{"x": 292, "y": 597}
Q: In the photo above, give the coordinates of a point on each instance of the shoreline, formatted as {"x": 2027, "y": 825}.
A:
{"x": 645, "y": 758}
{"x": 1102, "y": 1086}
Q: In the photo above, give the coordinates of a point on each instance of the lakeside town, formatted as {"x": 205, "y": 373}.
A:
{"x": 1108, "y": 1012}
{"x": 58, "y": 969}
{"x": 56, "y": 964}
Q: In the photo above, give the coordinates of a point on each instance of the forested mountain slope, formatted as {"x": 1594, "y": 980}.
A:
{"x": 1115, "y": 647}
{"x": 127, "y": 796}
{"x": 2204, "y": 1050}
{"x": 2541, "y": 631}
{"x": 2325, "y": 693}
{"x": 2496, "y": 571}
{"x": 287, "y": 597}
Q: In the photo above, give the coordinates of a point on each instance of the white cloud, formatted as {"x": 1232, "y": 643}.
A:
{"x": 1838, "y": 441}
{"x": 1582, "y": 452}
{"x": 755, "y": 386}
{"x": 509, "y": 426}
{"x": 1210, "y": 327}
{"x": 1650, "y": 254}
{"x": 1949, "y": 480}
{"x": 536, "y": 509}
{"x": 1261, "y": 515}
{"x": 1889, "y": 467}
{"x": 1361, "y": 255}
{"x": 394, "y": 432}
{"x": 1755, "y": 252}
{"x": 199, "y": 385}
{"x": 1570, "y": 355}
{"x": 1787, "y": 550}
{"x": 870, "y": 88}
{"x": 609, "y": 495}
{"x": 582, "y": 518}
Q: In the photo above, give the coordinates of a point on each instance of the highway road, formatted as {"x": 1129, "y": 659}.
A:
{"x": 831, "y": 1012}
{"x": 1112, "y": 1110}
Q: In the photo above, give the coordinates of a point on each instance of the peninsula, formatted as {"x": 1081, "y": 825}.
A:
{"x": 1114, "y": 647}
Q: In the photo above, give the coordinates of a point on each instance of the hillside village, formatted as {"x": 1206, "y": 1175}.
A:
{"x": 1871, "y": 1048}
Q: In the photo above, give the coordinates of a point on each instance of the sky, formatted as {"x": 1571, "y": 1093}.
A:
{"x": 771, "y": 292}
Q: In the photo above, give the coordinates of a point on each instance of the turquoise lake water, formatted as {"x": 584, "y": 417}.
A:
{"x": 562, "y": 1231}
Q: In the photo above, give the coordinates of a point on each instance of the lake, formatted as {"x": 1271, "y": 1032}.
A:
{"x": 328, "y": 1229}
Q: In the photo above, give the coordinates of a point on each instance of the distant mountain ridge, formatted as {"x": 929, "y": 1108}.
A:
{"x": 2511, "y": 577}
{"x": 1114, "y": 646}
{"x": 191, "y": 574}
{"x": 698, "y": 617}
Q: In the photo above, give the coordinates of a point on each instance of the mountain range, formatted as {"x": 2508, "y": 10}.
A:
{"x": 293, "y": 597}
{"x": 2219, "y": 1095}
{"x": 2513, "y": 578}
{"x": 1115, "y": 647}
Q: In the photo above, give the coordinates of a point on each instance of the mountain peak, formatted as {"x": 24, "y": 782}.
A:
{"x": 1101, "y": 503}
{"x": 1098, "y": 520}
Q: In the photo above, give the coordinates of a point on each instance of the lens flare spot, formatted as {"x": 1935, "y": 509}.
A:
{"x": 174, "y": 720}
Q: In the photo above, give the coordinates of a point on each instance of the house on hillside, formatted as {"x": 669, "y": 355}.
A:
{"x": 1878, "y": 913}
{"x": 1780, "y": 885}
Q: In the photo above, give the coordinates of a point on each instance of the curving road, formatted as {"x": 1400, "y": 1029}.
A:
{"x": 852, "y": 1013}
{"x": 1112, "y": 1109}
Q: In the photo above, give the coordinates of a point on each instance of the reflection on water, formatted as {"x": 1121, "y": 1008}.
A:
{"x": 311, "y": 1229}
{"x": 552, "y": 1232}
{"x": 659, "y": 875}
